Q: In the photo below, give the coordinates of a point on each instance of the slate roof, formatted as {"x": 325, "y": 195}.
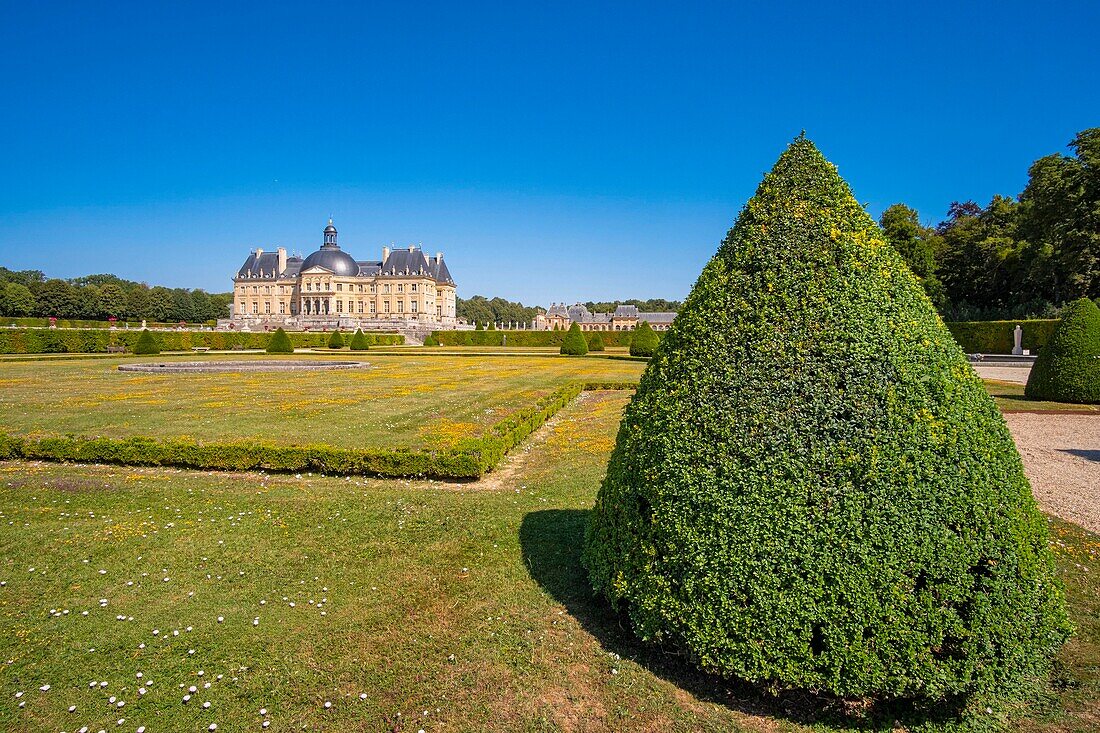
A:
{"x": 266, "y": 264}
{"x": 400, "y": 262}
{"x": 580, "y": 313}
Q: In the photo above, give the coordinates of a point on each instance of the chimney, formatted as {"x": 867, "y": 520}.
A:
{"x": 282, "y": 261}
{"x": 385, "y": 255}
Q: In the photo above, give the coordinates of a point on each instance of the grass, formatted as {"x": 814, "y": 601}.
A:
{"x": 1009, "y": 396}
{"x": 449, "y": 606}
{"x": 406, "y": 401}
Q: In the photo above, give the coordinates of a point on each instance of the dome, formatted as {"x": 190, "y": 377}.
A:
{"x": 333, "y": 259}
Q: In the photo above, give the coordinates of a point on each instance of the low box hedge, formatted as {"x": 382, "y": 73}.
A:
{"x": 91, "y": 341}
{"x": 523, "y": 338}
{"x": 469, "y": 459}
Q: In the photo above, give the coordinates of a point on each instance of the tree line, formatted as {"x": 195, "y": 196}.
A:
{"x": 101, "y": 297}
{"x": 1016, "y": 257}
{"x": 480, "y": 309}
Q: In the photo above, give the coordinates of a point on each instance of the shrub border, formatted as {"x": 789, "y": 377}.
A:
{"x": 470, "y": 459}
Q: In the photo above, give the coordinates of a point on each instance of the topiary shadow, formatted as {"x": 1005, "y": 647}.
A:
{"x": 551, "y": 541}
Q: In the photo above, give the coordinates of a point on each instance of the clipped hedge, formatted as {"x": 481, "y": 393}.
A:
{"x": 1068, "y": 370}
{"x": 574, "y": 344}
{"x": 811, "y": 489}
{"x": 644, "y": 342}
{"x": 146, "y": 344}
{"x": 91, "y": 341}
{"x": 522, "y": 338}
{"x": 996, "y": 337}
{"x": 468, "y": 459}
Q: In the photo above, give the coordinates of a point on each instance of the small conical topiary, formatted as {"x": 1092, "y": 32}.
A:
{"x": 336, "y": 340}
{"x": 359, "y": 341}
{"x": 596, "y": 342}
{"x": 1068, "y": 366}
{"x": 811, "y": 488}
{"x": 280, "y": 343}
{"x": 492, "y": 326}
{"x": 478, "y": 326}
{"x": 644, "y": 340}
{"x": 430, "y": 341}
{"x": 574, "y": 344}
{"x": 146, "y": 344}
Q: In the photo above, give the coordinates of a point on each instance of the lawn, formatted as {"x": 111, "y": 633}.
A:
{"x": 1009, "y": 396}
{"x": 406, "y": 401}
{"x": 416, "y": 605}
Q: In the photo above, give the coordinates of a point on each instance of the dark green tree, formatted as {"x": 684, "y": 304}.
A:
{"x": 811, "y": 488}
{"x": 431, "y": 341}
{"x": 478, "y": 326}
{"x": 492, "y": 326}
{"x": 644, "y": 340}
{"x": 280, "y": 343}
{"x": 18, "y": 300}
{"x": 112, "y": 300}
{"x": 596, "y": 342}
{"x": 336, "y": 340}
{"x": 359, "y": 341}
{"x": 146, "y": 344}
{"x": 917, "y": 245}
{"x": 574, "y": 344}
{"x": 55, "y": 298}
{"x": 1068, "y": 367}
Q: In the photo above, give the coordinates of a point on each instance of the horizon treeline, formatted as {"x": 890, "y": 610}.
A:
{"x": 1016, "y": 257}
{"x": 479, "y": 309}
{"x": 101, "y": 297}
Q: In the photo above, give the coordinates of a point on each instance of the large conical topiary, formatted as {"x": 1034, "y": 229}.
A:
{"x": 644, "y": 340}
{"x": 359, "y": 341}
{"x": 146, "y": 344}
{"x": 811, "y": 488}
{"x": 280, "y": 343}
{"x": 1068, "y": 366}
{"x": 574, "y": 344}
{"x": 596, "y": 342}
{"x": 336, "y": 340}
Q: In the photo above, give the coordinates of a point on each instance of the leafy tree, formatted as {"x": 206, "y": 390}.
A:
{"x": 336, "y": 340}
{"x": 359, "y": 341}
{"x": 146, "y": 344}
{"x": 644, "y": 340}
{"x": 18, "y": 300}
{"x": 574, "y": 344}
{"x": 917, "y": 245}
{"x": 112, "y": 300}
{"x": 138, "y": 304}
{"x": 811, "y": 488}
{"x": 55, "y": 298}
{"x": 1061, "y": 214}
{"x": 280, "y": 343}
{"x": 596, "y": 342}
{"x": 1068, "y": 367}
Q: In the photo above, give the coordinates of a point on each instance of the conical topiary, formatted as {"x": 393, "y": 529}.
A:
{"x": 492, "y": 326}
{"x": 478, "y": 326}
{"x": 359, "y": 341}
{"x": 596, "y": 342}
{"x": 644, "y": 340}
{"x": 574, "y": 344}
{"x": 146, "y": 344}
{"x": 1068, "y": 366}
{"x": 430, "y": 341}
{"x": 336, "y": 340}
{"x": 811, "y": 488}
{"x": 280, "y": 343}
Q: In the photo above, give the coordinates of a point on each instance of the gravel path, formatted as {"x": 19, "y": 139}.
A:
{"x": 1003, "y": 373}
{"x": 1062, "y": 458}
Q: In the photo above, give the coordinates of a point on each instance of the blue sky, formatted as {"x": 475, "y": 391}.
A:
{"x": 553, "y": 151}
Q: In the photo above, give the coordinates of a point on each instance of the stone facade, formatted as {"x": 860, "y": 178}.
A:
{"x": 330, "y": 289}
{"x": 624, "y": 318}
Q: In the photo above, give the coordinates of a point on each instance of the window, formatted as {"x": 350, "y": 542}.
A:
{"x": 373, "y": 288}
{"x": 400, "y": 288}
{"x": 400, "y": 305}
{"x": 340, "y": 286}
{"x": 339, "y": 306}
{"x": 372, "y": 307}
{"x": 413, "y": 287}
{"x": 282, "y": 308}
{"x": 267, "y": 308}
{"x": 255, "y": 308}
{"x": 360, "y": 305}
{"x": 439, "y": 311}
{"x": 386, "y": 288}
{"x": 385, "y": 306}
{"x": 413, "y": 306}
